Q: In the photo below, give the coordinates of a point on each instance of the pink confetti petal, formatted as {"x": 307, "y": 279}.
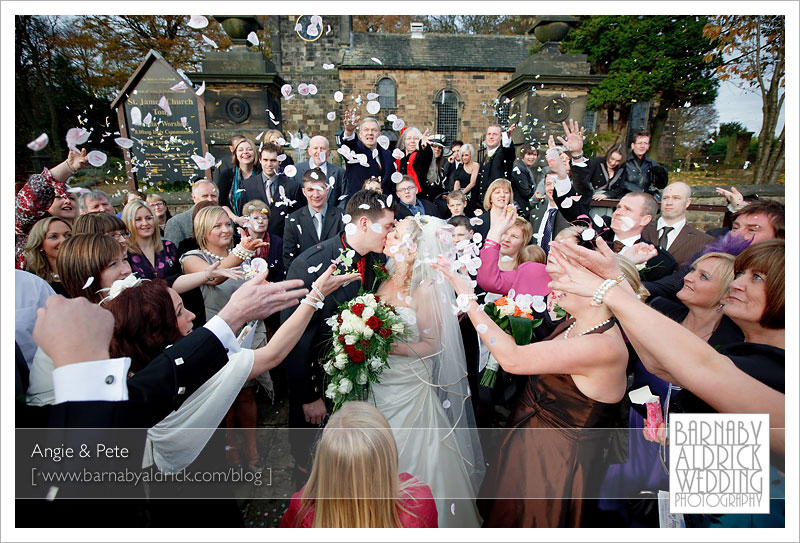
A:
{"x": 163, "y": 103}
{"x": 210, "y": 42}
{"x": 125, "y": 143}
{"x": 383, "y": 141}
{"x": 312, "y": 89}
{"x": 201, "y": 89}
{"x": 391, "y": 117}
{"x": 290, "y": 171}
{"x": 338, "y": 96}
{"x": 96, "y": 158}
{"x": 147, "y": 119}
{"x": 372, "y": 96}
{"x": 376, "y": 60}
{"x": 398, "y": 154}
{"x": 39, "y": 143}
{"x": 198, "y": 22}
{"x": 179, "y": 86}
{"x": 302, "y": 89}
{"x": 327, "y": 66}
{"x": 398, "y": 124}
{"x": 331, "y": 115}
{"x": 373, "y": 107}
{"x": 77, "y": 136}
{"x": 286, "y": 90}
{"x": 397, "y": 177}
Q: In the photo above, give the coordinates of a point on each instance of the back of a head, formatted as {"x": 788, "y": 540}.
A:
{"x": 83, "y": 256}
{"x": 532, "y": 253}
{"x": 354, "y": 481}
{"x": 631, "y": 274}
{"x": 97, "y": 223}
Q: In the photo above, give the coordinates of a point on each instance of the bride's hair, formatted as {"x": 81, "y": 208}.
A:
{"x": 355, "y": 482}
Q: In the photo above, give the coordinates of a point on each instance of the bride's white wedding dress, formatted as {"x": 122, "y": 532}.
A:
{"x": 428, "y": 446}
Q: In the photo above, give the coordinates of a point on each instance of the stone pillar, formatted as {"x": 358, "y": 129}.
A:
{"x": 241, "y": 85}
{"x": 548, "y": 87}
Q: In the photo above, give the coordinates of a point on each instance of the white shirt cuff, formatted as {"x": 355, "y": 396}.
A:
{"x": 351, "y": 137}
{"x": 581, "y": 162}
{"x": 506, "y": 139}
{"x": 99, "y": 380}
{"x": 220, "y": 328}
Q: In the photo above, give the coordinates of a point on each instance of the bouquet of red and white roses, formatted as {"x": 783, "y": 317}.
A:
{"x": 364, "y": 329}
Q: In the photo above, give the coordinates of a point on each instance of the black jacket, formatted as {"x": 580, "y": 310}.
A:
{"x": 644, "y": 175}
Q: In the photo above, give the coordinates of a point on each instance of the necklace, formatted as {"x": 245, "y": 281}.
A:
{"x": 212, "y": 255}
{"x": 595, "y": 327}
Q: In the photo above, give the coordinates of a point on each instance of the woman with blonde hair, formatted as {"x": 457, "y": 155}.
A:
{"x": 498, "y": 199}
{"x": 465, "y": 175}
{"x": 149, "y": 255}
{"x": 41, "y": 249}
{"x": 354, "y": 482}
{"x": 577, "y": 379}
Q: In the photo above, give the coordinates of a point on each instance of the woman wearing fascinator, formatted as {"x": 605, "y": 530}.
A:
{"x": 424, "y": 392}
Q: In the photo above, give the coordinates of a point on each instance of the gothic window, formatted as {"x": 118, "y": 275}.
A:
{"x": 502, "y": 110}
{"x": 590, "y": 121}
{"x": 447, "y": 114}
{"x": 388, "y": 94}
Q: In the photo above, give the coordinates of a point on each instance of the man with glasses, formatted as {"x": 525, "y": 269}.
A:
{"x": 409, "y": 203}
{"x": 180, "y": 226}
{"x": 379, "y": 161}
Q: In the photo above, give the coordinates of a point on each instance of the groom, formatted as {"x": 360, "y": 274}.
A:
{"x": 373, "y": 221}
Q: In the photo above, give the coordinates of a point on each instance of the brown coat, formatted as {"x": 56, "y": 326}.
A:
{"x": 689, "y": 242}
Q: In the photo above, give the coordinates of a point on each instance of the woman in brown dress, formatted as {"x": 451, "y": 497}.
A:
{"x": 540, "y": 478}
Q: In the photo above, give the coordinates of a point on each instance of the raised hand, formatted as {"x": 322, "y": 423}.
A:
{"x": 641, "y": 253}
{"x": 327, "y": 282}
{"x": 425, "y": 139}
{"x": 553, "y": 158}
{"x": 350, "y": 121}
{"x": 250, "y": 244}
{"x": 215, "y": 272}
{"x": 456, "y": 280}
{"x": 68, "y": 345}
{"x": 733, "y": 196}
{"x": 77, "y": 161}
{"x": 257, "y": 299}
{"x": 601, "y": 262}
{"x": 511, "y": 128}
{"x": 506, "y": 221}
{"x": 574, "y": 141}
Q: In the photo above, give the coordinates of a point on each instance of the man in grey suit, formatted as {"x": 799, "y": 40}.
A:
{"x": 319, "y": 150}
{"x": 671, "y": 232}
{"x": 546, "y": 211}
{"x": 311, "y": 224}
{"x": 180, "y": 227}
{"x": 283, "y": 194}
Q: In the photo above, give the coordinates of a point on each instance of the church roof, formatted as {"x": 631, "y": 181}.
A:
{"x": 437, "y": 51}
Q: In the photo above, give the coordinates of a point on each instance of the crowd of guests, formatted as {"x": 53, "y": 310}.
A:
{"x": 609, "y": 280}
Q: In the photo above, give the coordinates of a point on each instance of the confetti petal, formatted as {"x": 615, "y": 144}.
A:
{"x": 302, "y": 89}
{"x": 350, "y": 229}
{"x": 314, "y": 269}
{"x": 383, "y": 141}
{"x": 290, "y": 171}
{"x": 183, "y": 121}
{"x": 125, "y": 143}
{"x": 391, "y": 117}
{"x": 331, "y": 116}
{"x": 96, "y": 158}
{"x": 252, "y": 37}
{"x": 39, "y": 143}
{"x": 286, "y": 90}
{"x": 446, "y": 404}
{"x": 482, "y": 328}
{"x": 312, "y": 89}
{"x": 136, "y": 116}
{"x": 346, "y": 218}
{"x": 397, "y": 177}
{"x": 338, "y": 96}
{"x": 389, "y": 200}
{"x": 313, "y": 30}
{"x": 88, "y": 282}
{"x": 372, "y": 96}
{"x": 147, "y": 119}
{"x": 163, "y": 103}
{"x": 77, "y": 136}
{"x": 398, "y": 124}
{"x": 210, "y": 42}
{"x": 328, "y": 66}
{"x": 373, "y": 107}
{"x": 475, "y": 221}
{"x": 599, "y": 222}
{"x": 198, "y": 22}
{"x": 567, "y": 203}
{"x": 316, "y": 20}
{"x": 588, "y": 234}
{"x": 376, "y": 60}
{"x": 377, "y": 228}
{"x": 398, "y": 154}
{"x": 179, "y": 86}
{"x": 627, "y": 223}
{"x": 453, "y": 509}
{"x": 201, "y": 89}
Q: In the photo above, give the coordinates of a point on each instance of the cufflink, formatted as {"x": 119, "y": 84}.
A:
{"x": 109, "y": 379}
{"x": 181, "y": 390}
{"x": 178, "y": 361}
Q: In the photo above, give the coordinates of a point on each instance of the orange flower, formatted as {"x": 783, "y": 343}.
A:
{"x": 517, "y": 312}
{"x": 501, "y": 302}
{"x": 528, "y": 316}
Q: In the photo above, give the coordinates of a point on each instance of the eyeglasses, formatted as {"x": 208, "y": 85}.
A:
{"x": 158, "y": 205}
{"x": 407, "y": 189}
{"x": 120, "y": 236}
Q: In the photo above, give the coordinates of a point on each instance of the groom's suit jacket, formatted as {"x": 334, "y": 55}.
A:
{"x": 304, "y": 372}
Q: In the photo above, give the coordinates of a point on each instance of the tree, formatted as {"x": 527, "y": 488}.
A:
{"x": 646, "y": 58}
{"x": 731, "y": 129}
{"x": 755, "y": 46}
{"x": 449, "y": 24}
{"x": 693, "y": 130}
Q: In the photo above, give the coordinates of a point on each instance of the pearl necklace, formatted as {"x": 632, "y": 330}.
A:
{"x": 212, "y": 255}
{"x": 595, "y": 327}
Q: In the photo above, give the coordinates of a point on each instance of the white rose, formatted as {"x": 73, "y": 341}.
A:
{"x": 398, "y": 328}
{"x": 368, "y": 312}
{"x": 376, "y": 363}
{"x": 339, "y": 363}
{"x": 362, "y": 378}
{"x": 370, "y": 301}
{"x": 367, "y": 332}
{"x": 345, "y": 386}
{"x": 346, "y": 314}
{"x": 350, "y": 339}
{"x": 331, "y": 391}
{"x": 328, "y": 367}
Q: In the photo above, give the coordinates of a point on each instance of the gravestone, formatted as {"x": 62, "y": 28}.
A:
{"x": 163, "y": 142}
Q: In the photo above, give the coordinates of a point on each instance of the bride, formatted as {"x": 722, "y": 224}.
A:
{"x": 424, "y": 392}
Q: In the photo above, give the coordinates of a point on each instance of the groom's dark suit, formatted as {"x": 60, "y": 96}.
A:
{"x": 303, "y": 367}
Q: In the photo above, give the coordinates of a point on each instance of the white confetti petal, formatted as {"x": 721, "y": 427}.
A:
{"x": 475, "y": 221}
{"x": 398, "y": 124}
{"x": 373, "y": 107}
{"x": 210, "y": 42}
{"x": 136, "y": 116}
{"x": 252, "y": 37}
{"x": 314, "y": 269}
{"x": 281, "y": 157}
{"x": 312, "y": 89}
{"x": 302, "y": 89}
{"x": 331, "y": 116}
{"x": 588, "y": 234}
{"x": 201, "y": 89}
{"x": 389, "y": 200}
{"x": 88, "y": 282}
{"x": 327, "y": 66}
{"x": 125, "y": 143}
{"x": 376, "y": 228}
{"x": 77, "y": 136}
{"x": 627, "y": 223}
{"x": 163, "y": 103}
{"x": 179, "y": 86}
{"x": 446, "y": 404}
{"x": 398, "y": 154}
{"x": 350, "y": 229}
{"x": 599, "y": 222}
{"x": 198, "y": 22}
{"x": 316, "y": 20}
{"x": 397, "y": 177}
{"x": 563, "y": 186}
{"x": 539, "y": 305}
{"x": 346, "y": 218}
{"x": 372, "y": 96}
{"x": 567, "y": 203}
{"x": 453, "y": 509}
{"x": 391, "y": 117}
{"x": 376, "y": 60}
{"x": 96, "y": 158}
{"x": 39, "y": 143}
{"x": 286, "y": 90}
{"x": 290, "y": 171}
{"x": 183, "y": 121}
{"x": 313, "y": 30}
{"x": 338, "y": 96}
{"x": 482, "y": 328}
{"x": 383, "y": 141}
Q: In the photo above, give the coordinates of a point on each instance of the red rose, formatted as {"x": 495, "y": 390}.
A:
{"x": 341, "y": 339}
{"x": 349, "y": 350}
{"x": 357, "y": 309}
{"x": 374, "y": 322}
{"x": 378, "y": 298}
{"x": 364, "y": 344}
{"x": 339, "y": 319}
{"x": 385, "y": 333}
{"x": 357, "y": 356}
